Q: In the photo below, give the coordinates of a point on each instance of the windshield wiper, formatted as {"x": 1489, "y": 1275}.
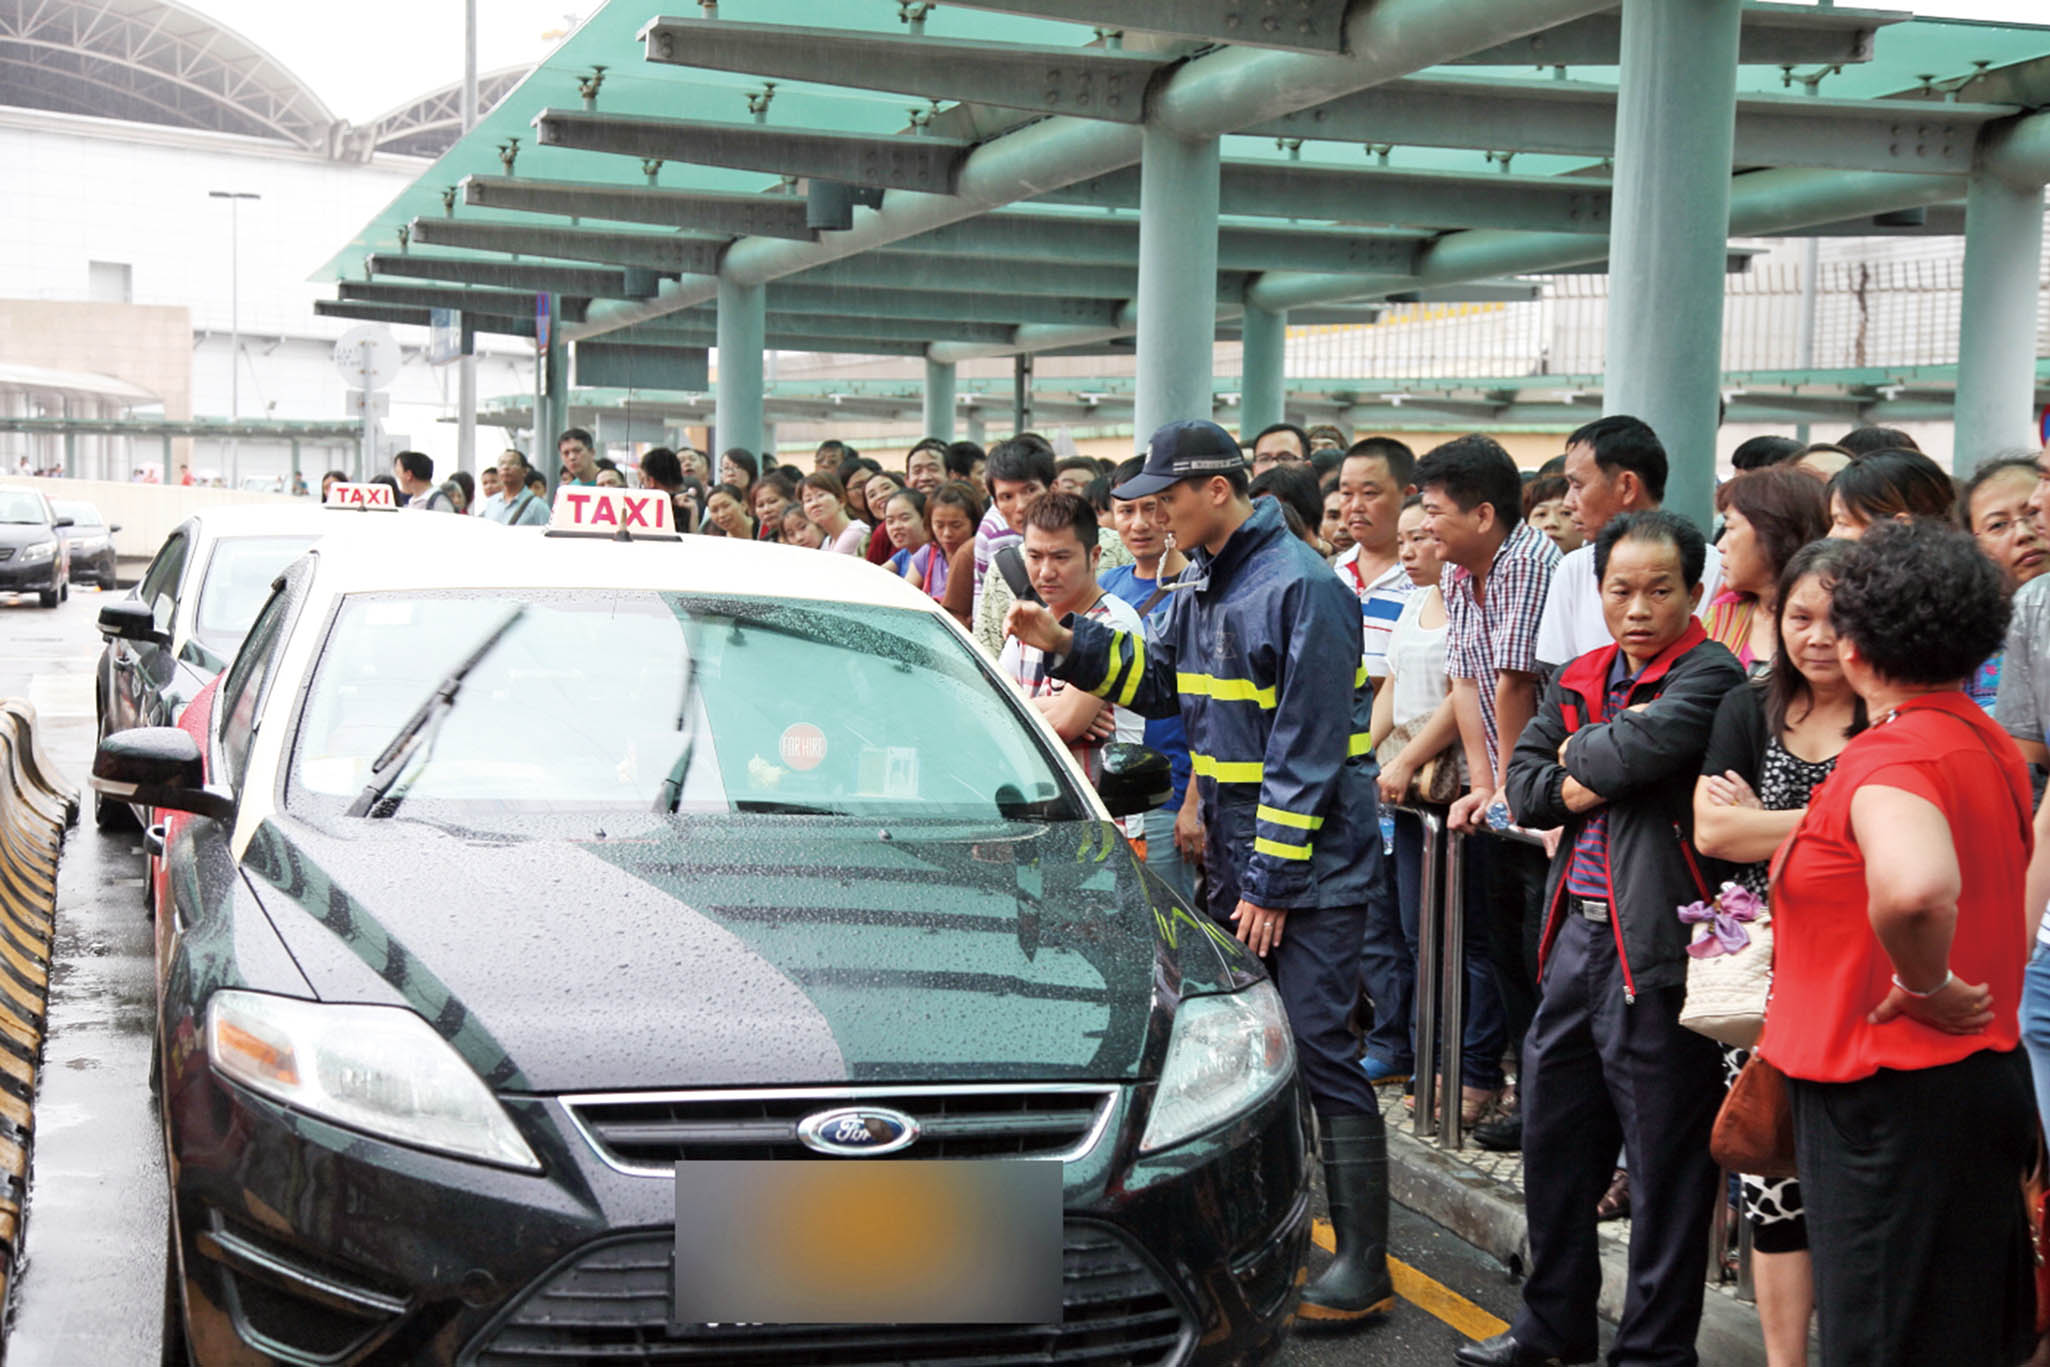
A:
{"x": 757, "y": 804}
{"x": 391, "y": 761}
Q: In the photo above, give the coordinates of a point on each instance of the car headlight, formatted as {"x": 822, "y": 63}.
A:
{"x": 380, "y": 1069}
{"x": 1226, "y": 1054}
{"x": 40, "y": 550}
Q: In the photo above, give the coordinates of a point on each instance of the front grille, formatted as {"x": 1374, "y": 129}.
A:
{"x": 652, "y": 1132}
{"x": 6, "y": 552}
{"x": 612, "y": 1305}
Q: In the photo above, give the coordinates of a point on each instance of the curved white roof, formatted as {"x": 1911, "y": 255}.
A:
{"x": 154, "y": 61}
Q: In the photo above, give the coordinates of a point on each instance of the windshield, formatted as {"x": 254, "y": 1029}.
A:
{"x": 81, "y": 514}
{"x": 238, "y": 579}
{"x": 641, "y": 701}
{"x": 17, "y": 507}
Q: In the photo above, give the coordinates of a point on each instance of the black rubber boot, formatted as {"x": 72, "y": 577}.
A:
{"x": 1356, "y": 1285}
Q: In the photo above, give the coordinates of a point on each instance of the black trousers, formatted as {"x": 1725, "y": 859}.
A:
{"x": 1913, "y": 1186}
{"x": 1316, "y": 969}
{"x": 1598, "y": 1073}
{"x": 1513, "y": 875}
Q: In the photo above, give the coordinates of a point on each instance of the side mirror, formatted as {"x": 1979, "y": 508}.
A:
{"x": 113, "y": 527}
{"x": 158, "y": 766}
{"x": 62, "y": 522}
{"x": 1134, "y": 779}
{"x": 131, "y": 620}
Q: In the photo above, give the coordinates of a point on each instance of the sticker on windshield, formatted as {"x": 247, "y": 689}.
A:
{"x": 888, "y": 771}
{"x": 803, "y": 746}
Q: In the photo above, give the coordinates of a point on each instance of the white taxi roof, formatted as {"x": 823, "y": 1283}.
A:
{"x": 264, "y": 519}
{"x": 528, "y": 558}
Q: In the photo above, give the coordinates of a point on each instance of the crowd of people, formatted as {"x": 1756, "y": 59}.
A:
{"x": 1828, "y": 713}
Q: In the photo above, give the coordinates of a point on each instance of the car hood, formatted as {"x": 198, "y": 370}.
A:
{"x": 24, "y": 533}
{"x": 692, "y": 953}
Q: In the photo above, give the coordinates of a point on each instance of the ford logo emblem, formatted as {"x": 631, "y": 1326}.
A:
{"x": 857, "y": 1132}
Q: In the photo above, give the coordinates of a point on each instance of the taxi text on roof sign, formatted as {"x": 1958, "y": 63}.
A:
{"x": 587, "y": 510}
{"x": 363, "y": 496}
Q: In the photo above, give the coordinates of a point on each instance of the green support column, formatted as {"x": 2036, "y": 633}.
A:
{"x": 742, "y": 327}
{"x": 551, "y": 388}
{"x": 939, "y": 400}
{"x": 1263, "y": 378}
{"x": 1996, "y": 359}
{"x": 1177, "y": 279}
{"x": 1668, "y": 231}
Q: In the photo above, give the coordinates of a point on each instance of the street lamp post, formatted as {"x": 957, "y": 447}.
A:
{"x": 234, "y": 198}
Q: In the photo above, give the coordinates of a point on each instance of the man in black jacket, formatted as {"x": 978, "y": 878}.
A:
{"x": 1611, "y": 756}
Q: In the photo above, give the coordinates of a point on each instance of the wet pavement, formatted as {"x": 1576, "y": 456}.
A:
{"x": 90, "y": 1290}
{"x": 91, "y": 1285}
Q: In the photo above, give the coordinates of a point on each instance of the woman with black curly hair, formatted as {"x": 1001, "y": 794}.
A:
{"x": 1901, "y": 934}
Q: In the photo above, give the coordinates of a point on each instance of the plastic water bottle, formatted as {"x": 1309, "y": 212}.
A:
{"x": 1387, "y": 833}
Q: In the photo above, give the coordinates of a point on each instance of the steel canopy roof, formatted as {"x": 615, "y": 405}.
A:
{"x": 1318, "y": 208}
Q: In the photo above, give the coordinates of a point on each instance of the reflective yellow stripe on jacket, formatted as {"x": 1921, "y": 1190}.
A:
{"x": 1226, "y": 690}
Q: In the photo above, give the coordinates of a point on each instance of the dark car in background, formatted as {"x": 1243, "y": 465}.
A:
{"x": 33, "y": 555}
{"x": 456, "y": 1005}
{"x": 90, "y": 540}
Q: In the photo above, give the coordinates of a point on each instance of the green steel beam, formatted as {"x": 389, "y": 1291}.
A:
{"x": 1773, "y": 35}
{"x": 498, "y": 273}
{"x": 1578, "y": 118}
{"x": 1762, "y": 204}
{"x": 1296, "y": 25}
{"x": 926, "y": 164}
{"x": 418, "y": 317}
{"x": 673, "y": 253}
{"x": 799, "y": 298}
{"x": 967, "y": 273}
{"x": 1088, "y": 83}
{"x": 705, "y": 211}
{"x": 1207, "y": 95}
{"x": 474, "y": 303}
{"x": 1380, "y": 194}
{"x": 1073, "y": 238}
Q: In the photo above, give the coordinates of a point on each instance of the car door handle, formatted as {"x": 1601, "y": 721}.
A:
{"x": 153, "y": 841}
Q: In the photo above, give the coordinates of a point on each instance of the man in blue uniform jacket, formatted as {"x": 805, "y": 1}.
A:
{"x": 1261, "y": 655}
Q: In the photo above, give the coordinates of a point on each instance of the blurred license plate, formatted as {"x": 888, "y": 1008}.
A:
{"x": 866, "y": 1241}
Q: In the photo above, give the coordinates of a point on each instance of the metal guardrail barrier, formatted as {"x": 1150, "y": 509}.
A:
{"x": 35, "y": 809}
{"x": 1441, "y": 1015}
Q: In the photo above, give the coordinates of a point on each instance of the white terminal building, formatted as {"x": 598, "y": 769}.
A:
{"x": 171, "y": 188}
{"x": 138, "y": 283}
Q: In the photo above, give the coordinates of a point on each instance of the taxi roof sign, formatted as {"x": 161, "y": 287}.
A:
{"x": 628, "y": 514}
{"x": 362, "y": 497}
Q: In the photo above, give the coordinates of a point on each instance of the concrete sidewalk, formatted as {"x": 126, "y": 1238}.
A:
{"x": 1479, "y": 1197}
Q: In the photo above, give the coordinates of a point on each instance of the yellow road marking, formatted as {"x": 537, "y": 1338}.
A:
{"x": 1433, "y": 1297}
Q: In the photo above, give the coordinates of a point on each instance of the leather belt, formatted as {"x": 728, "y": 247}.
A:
{"x": 1594, "y": 909}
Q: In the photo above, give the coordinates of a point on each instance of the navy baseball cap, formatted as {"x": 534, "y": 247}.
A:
{"x": 1188, "y": 449}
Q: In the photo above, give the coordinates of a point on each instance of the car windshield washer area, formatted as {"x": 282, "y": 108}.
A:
{"x": 548, "y": 956}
